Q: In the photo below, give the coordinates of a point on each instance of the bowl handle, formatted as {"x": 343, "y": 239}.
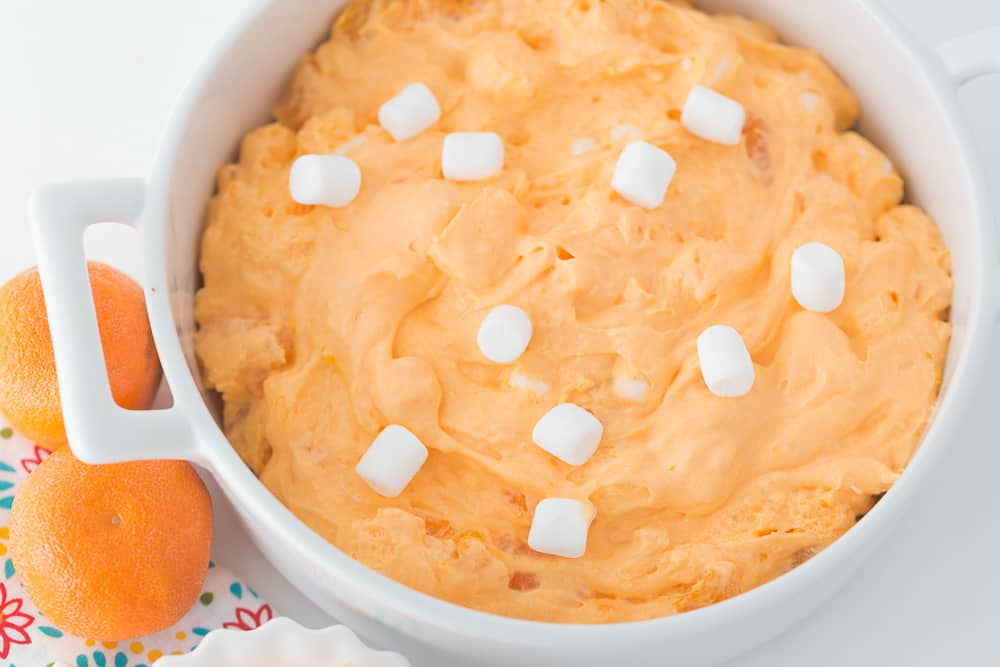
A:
{"x": 98, "y": 429}
{"x": 972, "y": 56}
{"x": 967, "y": 58}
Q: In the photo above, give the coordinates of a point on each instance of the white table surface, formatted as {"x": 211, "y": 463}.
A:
{"x": 86, "y": 89}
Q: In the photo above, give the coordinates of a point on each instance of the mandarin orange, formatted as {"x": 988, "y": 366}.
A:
{"x": 111, "y": 552}
{"x": 29, "y": 393}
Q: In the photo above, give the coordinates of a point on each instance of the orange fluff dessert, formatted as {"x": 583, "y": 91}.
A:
{"x": 570, "y": 310}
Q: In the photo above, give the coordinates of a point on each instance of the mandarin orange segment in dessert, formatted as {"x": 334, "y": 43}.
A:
{"x": 679, "y": 254}
{"x": 29, "y": 392}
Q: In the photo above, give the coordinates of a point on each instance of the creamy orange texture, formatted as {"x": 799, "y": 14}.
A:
{"x": 321, "y": 326}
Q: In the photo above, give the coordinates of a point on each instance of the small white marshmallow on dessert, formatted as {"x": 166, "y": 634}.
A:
{"x": 471, "y": 156}
{"x": 560, "y": 526}
{"x": 519, "y": 380}
{"x": 324, "y": 180}
{"x": 413, "y": 110}
{"x": 569, "y": 433}
{"x": 392, "y": 461}
{"x": 725, "y": 362}
{"x": 583, "y": 145}
{"x": 687, "y": 63}
{"x": 643, "y": 174}
{"x": 818, "y": 280}
{"x": 713, "y": 116}
{"x": 626, "y": 131}
{"x": 810, "y": 100}
{"x": 631, "y": 389}
{"x": 504, "y": 334}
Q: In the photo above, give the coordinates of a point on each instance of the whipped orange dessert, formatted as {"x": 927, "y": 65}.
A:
{"x": 565, "y": 368}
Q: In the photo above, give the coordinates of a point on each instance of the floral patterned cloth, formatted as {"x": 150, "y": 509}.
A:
{"x": 28, "y": 640}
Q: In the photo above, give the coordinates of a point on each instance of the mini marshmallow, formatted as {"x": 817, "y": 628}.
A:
{"x": 713, "y": 116}
{"x": 569, "y": 433}
{"x": 392, "y": 461}
{"x": 818, "y": 280}
{"x": 504, "y": 334}
{"x": 559, "y": 527}
{"x": 687, "y": 63}
{"x": 324, "y": 180}
{"x": 632, "y": 390}
{"x": 725, "y": 362}
{"x": 643, "y": 174}
{"x": 583, "y": 145}
{"x": 626, "y": 131}
{"x": 413, "y": 110}
{"x": 521, "y": 381}
{"x": 471, "y": 156}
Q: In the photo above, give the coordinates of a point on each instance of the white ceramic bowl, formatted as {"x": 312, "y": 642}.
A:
{"x": 284, "y": 643}
{"x": 909, "y": 93}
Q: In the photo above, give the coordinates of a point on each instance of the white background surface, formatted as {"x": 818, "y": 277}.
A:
{"x": 85, "y": 90}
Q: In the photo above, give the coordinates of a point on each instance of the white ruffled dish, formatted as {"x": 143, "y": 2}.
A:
{"x": 284, "y": 643}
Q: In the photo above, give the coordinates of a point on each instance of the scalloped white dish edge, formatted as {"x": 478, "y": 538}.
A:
{"x": 284, "y": 643}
